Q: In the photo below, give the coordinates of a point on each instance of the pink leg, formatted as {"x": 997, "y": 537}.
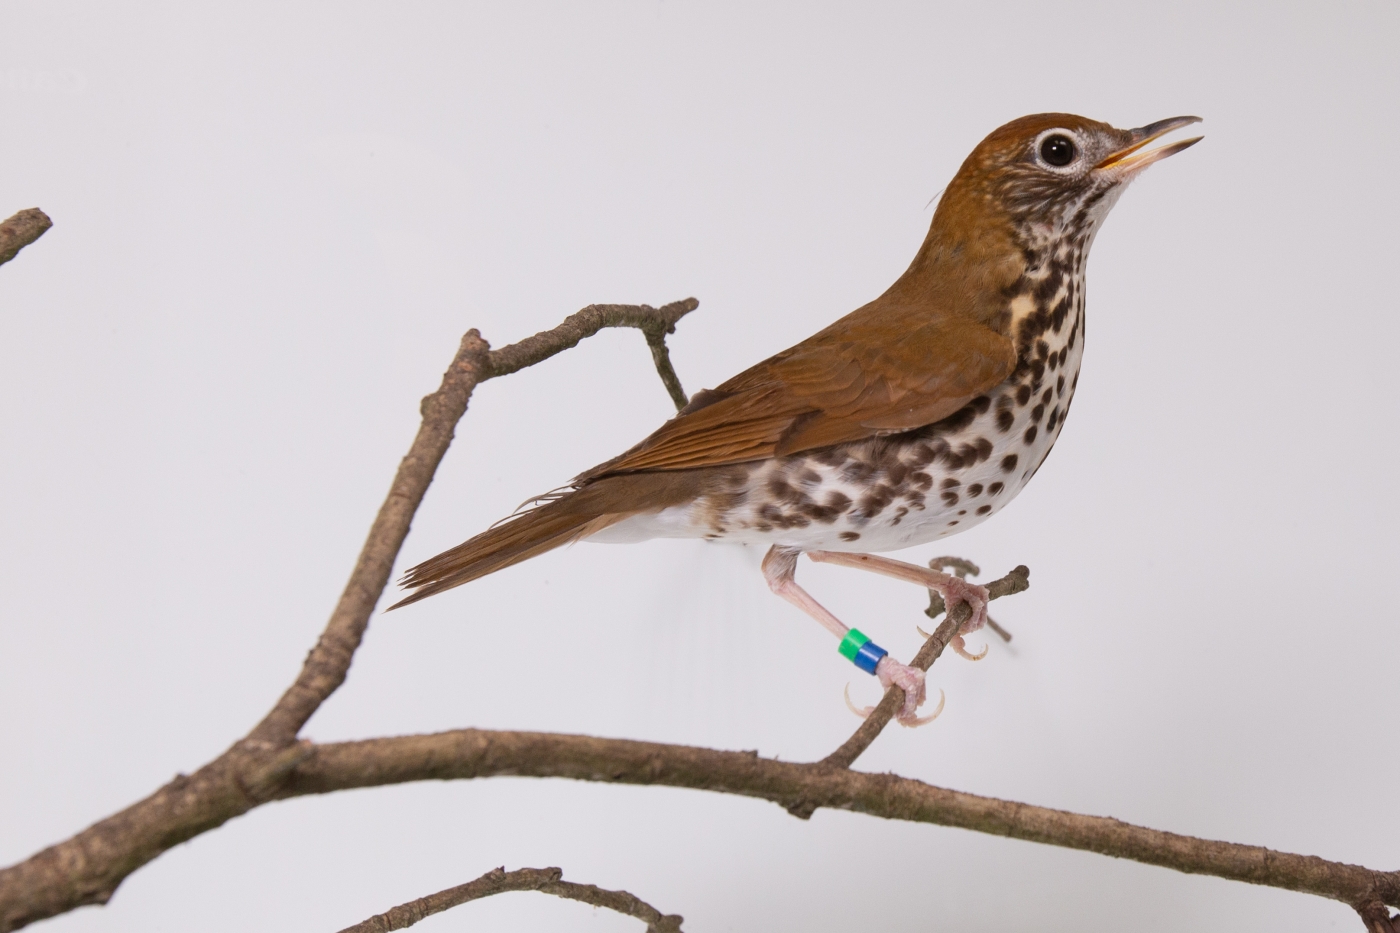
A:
{"x": 953, "y": 589}
{"x": 780, "y": 570}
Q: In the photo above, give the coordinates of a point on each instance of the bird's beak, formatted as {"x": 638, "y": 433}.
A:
{"x": 1131, "y": 160}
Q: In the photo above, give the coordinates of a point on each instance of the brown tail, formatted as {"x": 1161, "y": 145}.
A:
{"x": 569, "y": 518}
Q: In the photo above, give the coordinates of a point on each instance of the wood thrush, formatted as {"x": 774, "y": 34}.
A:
{"x": 910, "y": 419}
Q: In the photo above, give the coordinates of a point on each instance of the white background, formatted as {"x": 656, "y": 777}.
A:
{"x": 273, "y": 223}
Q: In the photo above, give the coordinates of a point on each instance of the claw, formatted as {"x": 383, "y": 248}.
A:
{"x": 922, "y": 632}
{"x": 865, "y": 712}
{"x": 960, "y": 646}
{"x": 925, "y": 720}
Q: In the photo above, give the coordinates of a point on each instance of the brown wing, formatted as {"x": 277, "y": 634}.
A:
{"x": 865, "y": 375}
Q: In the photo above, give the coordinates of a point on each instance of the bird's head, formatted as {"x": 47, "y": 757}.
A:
{"x": 1049, "y": 174}
{"x": 1040, "y": 184}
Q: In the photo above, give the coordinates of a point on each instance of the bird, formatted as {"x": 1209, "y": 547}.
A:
{"x": 915, "y": 417}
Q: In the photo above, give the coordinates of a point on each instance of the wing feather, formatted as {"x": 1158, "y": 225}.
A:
{"x": 856, "y": 379}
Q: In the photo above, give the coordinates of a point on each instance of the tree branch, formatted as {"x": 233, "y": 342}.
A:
{"x": 499, "y": 881}
{"x": 325, "y": 668}
{"x": 87, "y": 868}
{"x": 20, "y": 230}
{"x": 656, "y": 323}
{"x": 476, "y": 753}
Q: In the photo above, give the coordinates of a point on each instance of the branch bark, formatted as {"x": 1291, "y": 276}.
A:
{"x": 20, "y": 230}
{"x": 499, "y": 881}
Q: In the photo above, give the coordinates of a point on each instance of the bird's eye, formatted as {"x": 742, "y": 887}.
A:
{"x": 1058, "y": 150}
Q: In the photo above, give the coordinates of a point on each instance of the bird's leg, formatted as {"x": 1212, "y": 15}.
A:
{"x": 780, "y": 570}
{"x": 953, "y": 589}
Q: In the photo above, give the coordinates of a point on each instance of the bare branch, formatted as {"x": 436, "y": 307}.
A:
{"x": 1016, "y": 581}
{"x": 473, "y": 753}
{"x": 656, "y": 323}
{"x": 21, "y": 230}
{"x": 87, "y": 868}
{"x": 499, "y": 881}
{"x": 326, "y": 666}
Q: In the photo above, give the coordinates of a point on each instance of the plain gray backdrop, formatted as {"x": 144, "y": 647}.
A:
{"x": 273, "y": 222}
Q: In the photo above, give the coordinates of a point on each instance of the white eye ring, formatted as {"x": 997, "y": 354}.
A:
{"x": 1050, "y": 149}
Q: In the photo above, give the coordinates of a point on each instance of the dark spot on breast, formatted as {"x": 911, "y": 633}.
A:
{"x": 874, "y": 502}
{"x": 850, "y": 536}
{"x": 830, "y": 456}
{"x": 974, "y": 490}
{"x": 1023, "y": 395}
{"x": 1005, "y": 419}
{"x": 1008, "y": 463}
{"x": 1054, "y": 361}
{"x": 984, "y": 448}
{"x": 857, "y": 471}
{"x": 1042, "y": 349}
{"x": 922, "y": 454}
{"x": 1053, "y": 419}
{"x": 1060, "y": 386}
{"x": 952, "y": 523}
{"x": 1046, "y": 397}
{"x": 1037, "y": 412}
{"x": 996, "y": 488}
{"x": 1037, "y": 371}
{"x": 983, "y": 510}
{"x": 921, "y": 480}
{"x": 836, "y": 504}
{"x": 949, "y": 498}
{"x": 1030, "y": 434}
{"x": 811, "y": 477}
{"x": 949, "y": 483}
{"x": 981, "y": 403}
{"x": 781, "y": 490}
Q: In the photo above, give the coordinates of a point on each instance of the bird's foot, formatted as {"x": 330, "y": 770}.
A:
{"x": 956, "y": 590}
{"x": 911, "y": 680}
{"x": 958, "y": 645}
{"x": 911, "y": 722}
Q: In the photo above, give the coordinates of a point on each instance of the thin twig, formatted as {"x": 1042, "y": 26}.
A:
{"x": 499, "y": 881}
{"x": 20, "y": 230}
{"x": 655, "y": 323}
{"x": 1016, "y": 581}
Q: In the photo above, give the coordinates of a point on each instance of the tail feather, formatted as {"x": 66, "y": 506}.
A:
{"x": 558, "y": 520}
